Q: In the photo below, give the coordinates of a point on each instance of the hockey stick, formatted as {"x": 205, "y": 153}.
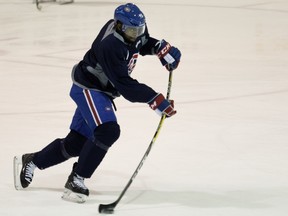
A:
{"x": 109, "y": 208}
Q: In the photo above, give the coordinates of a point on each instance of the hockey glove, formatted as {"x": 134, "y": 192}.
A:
{"x": 162, "y": 106}
{"x": 168, "y": 55}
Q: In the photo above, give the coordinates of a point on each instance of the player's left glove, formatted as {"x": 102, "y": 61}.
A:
{"x": 168, "y": 55}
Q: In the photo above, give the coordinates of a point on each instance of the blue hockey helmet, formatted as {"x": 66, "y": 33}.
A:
{"x": 132, "y": 20}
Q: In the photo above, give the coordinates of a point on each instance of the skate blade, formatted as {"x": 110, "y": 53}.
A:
{"x": 17, "y": 165}
{"x": 70, "y": 196}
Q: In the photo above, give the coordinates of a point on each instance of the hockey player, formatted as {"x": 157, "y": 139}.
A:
{"x": 102, "y": 75}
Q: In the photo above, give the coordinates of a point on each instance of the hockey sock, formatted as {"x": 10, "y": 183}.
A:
{"x": 52, "y": 154}
{"x": 60, "y": 150}
{"x": 94, "y": 151}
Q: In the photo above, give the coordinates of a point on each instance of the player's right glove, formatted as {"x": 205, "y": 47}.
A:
{"x": 162, "y": 106}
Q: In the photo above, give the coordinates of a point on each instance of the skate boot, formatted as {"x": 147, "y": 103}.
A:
{"x": 75, "y": 190}
{"x": 23, "y": 178}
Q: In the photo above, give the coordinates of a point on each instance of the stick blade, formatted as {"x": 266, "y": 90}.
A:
{"x": 106, "y": 208}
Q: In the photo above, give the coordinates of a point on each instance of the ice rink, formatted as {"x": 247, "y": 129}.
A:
{"x": 225, "y": 153}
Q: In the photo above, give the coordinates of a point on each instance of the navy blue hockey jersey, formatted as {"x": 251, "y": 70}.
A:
{"x": 107, "y": 65}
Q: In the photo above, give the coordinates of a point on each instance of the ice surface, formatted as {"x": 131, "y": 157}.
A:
{"x": 223, "y": 154}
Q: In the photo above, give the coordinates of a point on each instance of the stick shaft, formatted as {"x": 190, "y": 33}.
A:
{"x": 113, "y": 205}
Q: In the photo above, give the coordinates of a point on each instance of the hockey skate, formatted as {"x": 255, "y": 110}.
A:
{"x": 23, "y": 177}
{"x": 75, "y": 190}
